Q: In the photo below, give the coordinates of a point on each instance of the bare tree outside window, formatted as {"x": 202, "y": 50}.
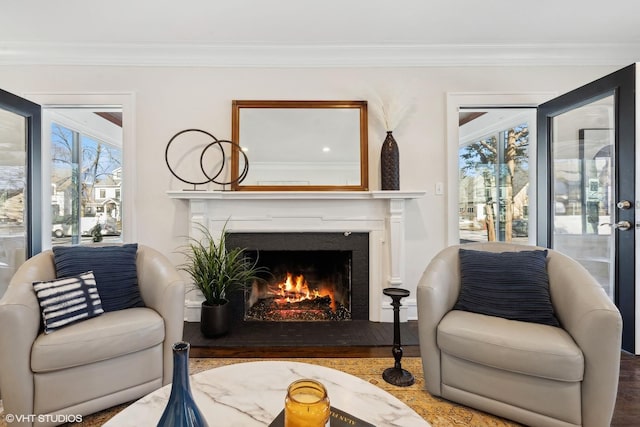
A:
{"x": 494, "y": 180}
{"x": 86, "y": 185}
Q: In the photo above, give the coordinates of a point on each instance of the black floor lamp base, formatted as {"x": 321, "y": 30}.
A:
{"x": 398, "y": 376}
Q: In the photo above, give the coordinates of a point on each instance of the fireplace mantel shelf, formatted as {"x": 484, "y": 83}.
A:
{"x": 294, "y": 195}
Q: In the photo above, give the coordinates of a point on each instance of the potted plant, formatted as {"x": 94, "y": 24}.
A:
{"x": 217, "y": 272}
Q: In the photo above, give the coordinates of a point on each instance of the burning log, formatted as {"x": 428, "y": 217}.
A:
{"x": 294, "y": 299}
{"x": 306, "y": 310}
{"x": 308, "y": 304}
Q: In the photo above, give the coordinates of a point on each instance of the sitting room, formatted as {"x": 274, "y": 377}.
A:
{"x": 411, "y": 213}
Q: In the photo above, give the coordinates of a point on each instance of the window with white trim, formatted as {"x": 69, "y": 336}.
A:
{"x": 86, "y": 179}
{"x": 494, "y": 176}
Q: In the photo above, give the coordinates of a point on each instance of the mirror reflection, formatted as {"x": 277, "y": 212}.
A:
{"x": 301, "y": 145}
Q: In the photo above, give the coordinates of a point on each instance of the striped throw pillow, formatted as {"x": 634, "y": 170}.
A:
{"x": 68, "y": 300}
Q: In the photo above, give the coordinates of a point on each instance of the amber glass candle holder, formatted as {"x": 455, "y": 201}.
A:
{"x": 306, "y": 405}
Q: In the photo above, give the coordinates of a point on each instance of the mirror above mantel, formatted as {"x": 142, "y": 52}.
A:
{"x": 300, "y": 145}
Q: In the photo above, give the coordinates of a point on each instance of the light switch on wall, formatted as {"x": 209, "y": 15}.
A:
{"x": 439, "y": 188}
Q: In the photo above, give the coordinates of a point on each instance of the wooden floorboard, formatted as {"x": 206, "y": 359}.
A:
{"x": 287, "y": 352}
{"x": 627, "y": 412}
{"x": 355, "y": 338}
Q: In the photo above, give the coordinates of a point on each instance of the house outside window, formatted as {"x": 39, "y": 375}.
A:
{"x": 86, "y": 177}
{"x": 494, "y": 186}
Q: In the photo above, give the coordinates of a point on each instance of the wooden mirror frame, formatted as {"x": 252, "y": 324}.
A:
{"x": 235, "y": 137}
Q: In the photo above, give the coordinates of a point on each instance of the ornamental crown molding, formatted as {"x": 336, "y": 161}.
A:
{"x": 363, "y": 55}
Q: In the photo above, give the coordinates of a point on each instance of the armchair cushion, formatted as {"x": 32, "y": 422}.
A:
{"x": 494, "y": 284}
{"x": 114, "y": 268}
{"x": 509, "y": 345}
{"x": 105, "y": 337}
{"x": 68, "y": 300}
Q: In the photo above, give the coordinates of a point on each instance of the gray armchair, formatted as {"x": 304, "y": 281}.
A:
{"x": 85, "y": 367}
{"x": 531, "y": 373}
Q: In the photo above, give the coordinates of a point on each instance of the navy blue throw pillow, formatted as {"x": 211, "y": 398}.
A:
{"x": 512, "y": 285}
{"x": 114, "y": 268}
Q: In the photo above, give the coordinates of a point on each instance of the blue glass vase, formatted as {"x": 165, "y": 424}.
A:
{"x": 181, "y": 410}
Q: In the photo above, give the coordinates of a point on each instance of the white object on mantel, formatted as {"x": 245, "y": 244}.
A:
{"x": 379, "y": 213}
{"x": 252, "y": 394}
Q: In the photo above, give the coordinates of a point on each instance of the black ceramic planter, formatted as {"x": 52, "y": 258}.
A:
{"x": 215, "y": 319}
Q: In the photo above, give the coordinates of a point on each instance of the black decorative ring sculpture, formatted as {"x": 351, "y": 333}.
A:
{"x": 216, "y": 142}
{"x": 240, "y": 177}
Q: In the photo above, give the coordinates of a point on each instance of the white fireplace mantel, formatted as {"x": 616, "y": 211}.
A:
{"x": 379, "y": 213}
{"x": 294, "y": 195}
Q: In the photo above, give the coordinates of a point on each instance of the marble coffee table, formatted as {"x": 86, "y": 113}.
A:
{"x": 252, "y": 394}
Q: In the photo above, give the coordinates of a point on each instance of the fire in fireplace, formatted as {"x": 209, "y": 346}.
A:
{"x": 302, "y": 286}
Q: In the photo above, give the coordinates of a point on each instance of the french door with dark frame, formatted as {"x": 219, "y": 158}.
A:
{"x": 586, "y": 184}
{"x": 20, "y": 183}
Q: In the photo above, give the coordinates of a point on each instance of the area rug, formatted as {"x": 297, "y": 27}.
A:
{"x": 438, "y": 412}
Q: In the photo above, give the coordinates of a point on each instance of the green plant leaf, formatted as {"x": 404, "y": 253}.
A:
{"x": 216, "y": 271}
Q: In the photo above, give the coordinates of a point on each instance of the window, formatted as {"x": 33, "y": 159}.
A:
{"x": 86, "y": 180}
{"x": 494, "y": 176}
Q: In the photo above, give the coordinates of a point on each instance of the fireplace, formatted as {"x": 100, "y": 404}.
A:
{"x": 312, "y": 276}
{"x": 376, "y": 216}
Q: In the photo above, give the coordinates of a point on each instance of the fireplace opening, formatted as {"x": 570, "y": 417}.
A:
{"x": 301, "y": 286}
{"x": 325, "y": 262}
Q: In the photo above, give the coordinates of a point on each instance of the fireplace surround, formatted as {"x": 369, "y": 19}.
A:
{"x": 380, "y": 215}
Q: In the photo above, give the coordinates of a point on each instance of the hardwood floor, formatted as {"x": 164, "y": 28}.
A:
{"x": 356, "y": 338}
{"x": 287, "y": 351}
{"x": 627, "y": 412}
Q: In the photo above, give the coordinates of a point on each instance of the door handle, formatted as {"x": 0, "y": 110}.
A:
{"x": 620, "y": 225}
{"x": 624, "y": 204}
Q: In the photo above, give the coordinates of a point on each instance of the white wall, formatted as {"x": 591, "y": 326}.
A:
{"x": 170, "y": 99}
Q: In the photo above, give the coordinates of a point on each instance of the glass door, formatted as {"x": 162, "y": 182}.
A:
{"x": 587, "y": 145}
{"x": 583, "y": 170}
{"x": 19, "y": 183}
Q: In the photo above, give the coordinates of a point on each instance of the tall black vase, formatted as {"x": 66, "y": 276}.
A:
{"x": 181, "y": 410}
{"x": 390, "y": 164}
